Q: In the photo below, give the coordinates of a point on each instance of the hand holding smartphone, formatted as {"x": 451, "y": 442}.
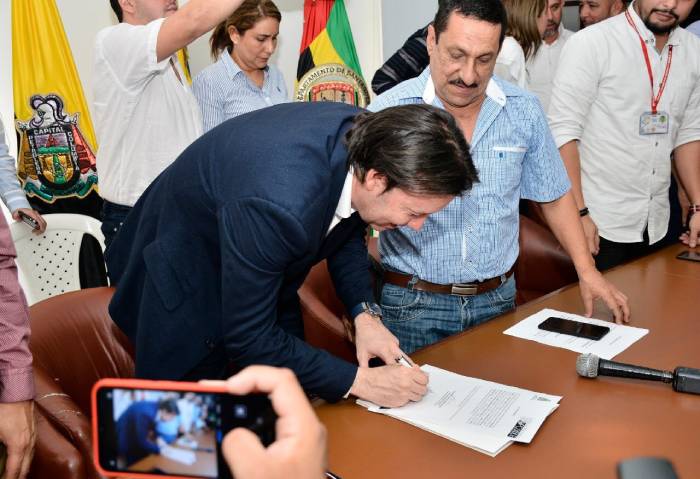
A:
{"x": 157, "y": 429}
{"x": 28, "y": 220}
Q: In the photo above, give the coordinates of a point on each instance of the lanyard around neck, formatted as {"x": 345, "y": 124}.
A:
{"x": 654, "y": 99}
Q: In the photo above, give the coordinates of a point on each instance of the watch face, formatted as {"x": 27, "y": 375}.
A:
{"x": 373, "y": 309}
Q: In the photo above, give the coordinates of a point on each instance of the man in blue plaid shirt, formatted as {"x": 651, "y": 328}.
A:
{"x": 457, "y": 271}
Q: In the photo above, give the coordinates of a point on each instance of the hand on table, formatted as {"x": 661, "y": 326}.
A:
{"x": 594, "y": 286}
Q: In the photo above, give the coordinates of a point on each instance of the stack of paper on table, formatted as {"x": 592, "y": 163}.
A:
{"x": 617, "y": 340}
{"x": 179, "y": 455}
{"x": 481, "y": 415}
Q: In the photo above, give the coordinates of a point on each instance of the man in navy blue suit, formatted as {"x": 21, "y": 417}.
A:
{"x": 208, "y": 263}
{"x": 136, "y": 428}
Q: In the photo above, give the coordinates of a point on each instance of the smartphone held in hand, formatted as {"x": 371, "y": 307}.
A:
{"x": 168, "y": 429}
{"x": 28, "y": 220}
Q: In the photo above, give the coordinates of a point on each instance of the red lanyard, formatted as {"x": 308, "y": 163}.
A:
{"x": 654, "y": 100}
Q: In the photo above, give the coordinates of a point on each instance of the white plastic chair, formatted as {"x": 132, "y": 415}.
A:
{"x": 48, "y": 263}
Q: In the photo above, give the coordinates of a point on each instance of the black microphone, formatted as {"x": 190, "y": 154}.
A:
{"x": 685, "y": 380}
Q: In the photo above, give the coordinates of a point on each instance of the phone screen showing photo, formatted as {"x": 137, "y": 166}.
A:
{"x": 175, "y": 433}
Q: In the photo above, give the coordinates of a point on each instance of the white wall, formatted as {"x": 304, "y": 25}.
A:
{"x": 6, "y": 97}
{"x": 81, "y": 22}
{"x": 570, "y": 18}
{"x": 401, "y": 18}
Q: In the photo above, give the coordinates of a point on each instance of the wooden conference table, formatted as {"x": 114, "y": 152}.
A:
{"x": 599, "y": 423}
{"x": 204, "y": 465}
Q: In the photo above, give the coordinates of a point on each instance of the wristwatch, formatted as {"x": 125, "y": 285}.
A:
{"x": 372, "y": 309}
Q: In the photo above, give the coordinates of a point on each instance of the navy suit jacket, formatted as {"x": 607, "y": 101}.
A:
{"x": 214, "y": 251}
{"x": 133, "y": 428}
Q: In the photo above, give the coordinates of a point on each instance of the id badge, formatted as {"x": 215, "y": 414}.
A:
{"x": 653, "y": 123}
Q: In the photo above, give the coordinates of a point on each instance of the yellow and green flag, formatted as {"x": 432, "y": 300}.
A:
{"x": 55, "y": 158}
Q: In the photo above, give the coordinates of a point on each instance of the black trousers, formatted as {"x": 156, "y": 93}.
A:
{"x": 612, "y": 254}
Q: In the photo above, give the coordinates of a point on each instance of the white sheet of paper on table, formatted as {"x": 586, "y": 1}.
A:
{"x": 179, "y": 455}
{"x": 617, "y": 340}
{"x": 473, "y": 412}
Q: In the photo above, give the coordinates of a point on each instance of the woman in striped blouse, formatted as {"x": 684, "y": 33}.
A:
{"x": 241, "y": 80}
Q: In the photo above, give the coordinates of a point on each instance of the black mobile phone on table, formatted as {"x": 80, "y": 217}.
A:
{"x": 28, "y": 220}
{"x": 168, "y": 429}
{"x": 574, "y": 328}
{"x": 690, "y": 255}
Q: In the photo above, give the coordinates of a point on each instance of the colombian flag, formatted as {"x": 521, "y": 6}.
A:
{"x": 327, "y": 37}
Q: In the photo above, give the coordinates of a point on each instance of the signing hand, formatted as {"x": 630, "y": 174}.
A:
{"x": 17, "y": 432}
{"x": 594, "y": 286}
{"x": 390, "y": 386}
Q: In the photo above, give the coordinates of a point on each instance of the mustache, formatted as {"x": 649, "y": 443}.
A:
{"x": 460, "y": 83}
{"x": 666, "y": 12}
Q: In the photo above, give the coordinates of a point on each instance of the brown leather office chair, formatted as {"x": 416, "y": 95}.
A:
{"x": 74, "y": 343}
{"x": 326, "y": 324}
{"x": 542, "y": 266}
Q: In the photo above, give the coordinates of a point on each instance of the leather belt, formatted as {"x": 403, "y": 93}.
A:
{"x": 457, "y": 289}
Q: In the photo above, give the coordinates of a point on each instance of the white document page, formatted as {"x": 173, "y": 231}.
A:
{"x": 483, "y": 415}
{"x": 617, "y": 340}
{"x": 474, "y": 404}
{"x": 179, "y": 455}
{"x": 489, "y": 445}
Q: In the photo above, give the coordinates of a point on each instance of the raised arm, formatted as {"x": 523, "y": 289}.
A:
{"x": 190, "y": 22}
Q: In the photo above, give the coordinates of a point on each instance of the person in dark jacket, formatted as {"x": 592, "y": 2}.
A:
{"x": 208, "y": 264}
{"x": 136, "y": 428}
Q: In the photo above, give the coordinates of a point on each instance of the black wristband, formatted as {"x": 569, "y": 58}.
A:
{"x": 583, "y": 212}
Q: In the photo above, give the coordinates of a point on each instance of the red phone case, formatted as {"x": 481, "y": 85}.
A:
{"x": 139, "y": 384}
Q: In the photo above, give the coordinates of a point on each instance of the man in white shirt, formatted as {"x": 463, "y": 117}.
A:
{"x": 542, "y": 66}
{"x": 616, "y": 134}
{"x": 594, "y": 11}
{"x": 145, "y": 112}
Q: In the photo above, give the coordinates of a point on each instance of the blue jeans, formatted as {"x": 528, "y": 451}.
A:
{"x": 419, "y": 318}
{"x": 113, "y": 216}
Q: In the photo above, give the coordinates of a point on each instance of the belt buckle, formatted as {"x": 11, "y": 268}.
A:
{"x": 464, "y": 289}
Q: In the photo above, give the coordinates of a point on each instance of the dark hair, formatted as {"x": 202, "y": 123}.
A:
{"x": 169, "y": 406}
{"x": 491, "y": 11}
{"x": 243, "y": 18}
{"x": 117, "y": 9}
{"x": 418, "y": 148}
